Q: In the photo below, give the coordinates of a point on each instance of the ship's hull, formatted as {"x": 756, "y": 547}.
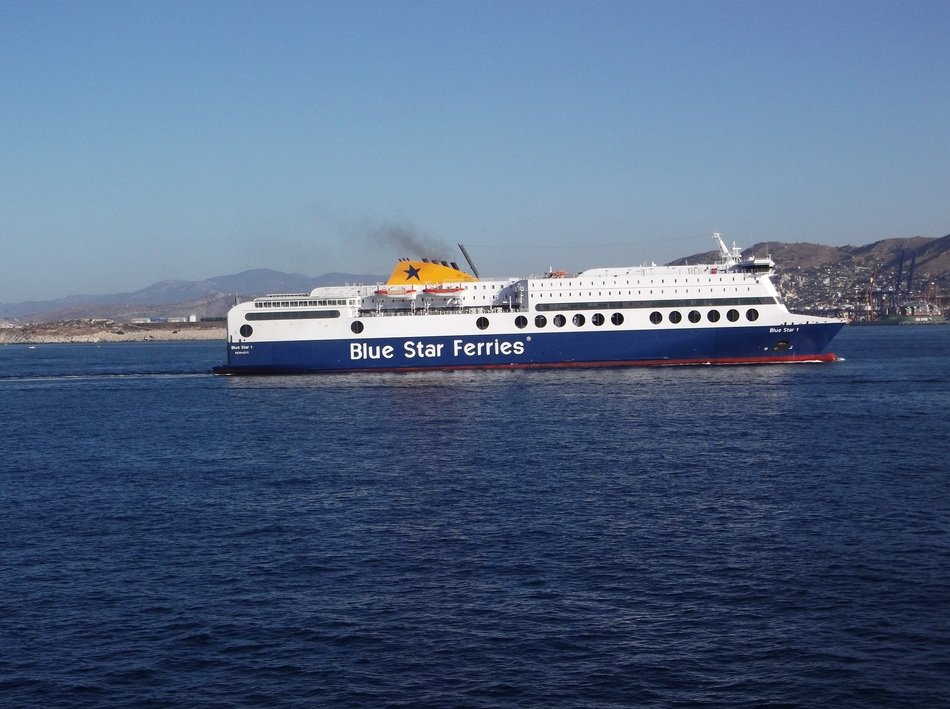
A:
{"x": 667, "y": 346}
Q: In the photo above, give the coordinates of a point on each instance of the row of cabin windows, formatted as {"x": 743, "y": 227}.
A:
{"x": 299, "y": 303}
{"x": 560, "y": 320}
{"x": 656, "y": 303}
{"x": 553, "y": 284}
{"x": 294, "y": 315}
{"x": 598, "y": 319}
{"x": 540, "y": 321}
{"x": 656, "y": 317}
{"x": 570, "y": 294}
{"x": 694, "y": 316}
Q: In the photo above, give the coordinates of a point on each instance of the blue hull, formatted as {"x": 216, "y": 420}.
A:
{"x": 726, "y": 345}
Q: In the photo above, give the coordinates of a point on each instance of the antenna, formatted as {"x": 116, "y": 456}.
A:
{"x": 469, "y": 259}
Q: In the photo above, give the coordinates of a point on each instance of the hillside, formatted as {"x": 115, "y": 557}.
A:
{"x": 209, "y": 298}
{"x": 814, "y": 277}
{"x": 811, "y": 277}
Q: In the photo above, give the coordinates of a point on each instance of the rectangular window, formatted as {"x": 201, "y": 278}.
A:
{"x": 294, "y": 315}
{"x": 630, "y": 304}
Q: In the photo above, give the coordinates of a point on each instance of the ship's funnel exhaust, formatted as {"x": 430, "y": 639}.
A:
{"x": 469, "y": 259}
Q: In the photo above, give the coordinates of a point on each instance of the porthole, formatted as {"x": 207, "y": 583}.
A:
{"x": 578, "y": 319}
{"x": 732, "y": 315}
{"x": 540, "y": 321}
{"x": 694, "y": 316}
{"x": 356, "y": 327}
{"x": 752, "y": 314}
{"x": 481, "y": 323}
{"x": 656, "y": 317}
{"x": 246, "y": 330}
{"x": 597, "y": 319}
{"x": 559, "y": 320}
{"x": 616, "y": 319}
{"x": 713, "y": 315}
{"x": 675, "y": 317}
{"x": 521, "y": 322}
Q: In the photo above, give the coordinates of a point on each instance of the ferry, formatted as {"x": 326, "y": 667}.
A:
{"x": 431, "y": 314}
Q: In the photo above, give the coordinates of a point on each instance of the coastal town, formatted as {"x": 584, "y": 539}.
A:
{"x": 895, "y": 281}
{"x": 98, "y": 330}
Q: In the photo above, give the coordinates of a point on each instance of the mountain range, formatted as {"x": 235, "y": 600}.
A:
{"x": 809, "y": 276}
{"x": 930, "y": 255}
{"x": 208, "y": 298}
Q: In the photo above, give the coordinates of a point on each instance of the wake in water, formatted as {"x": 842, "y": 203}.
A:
{"x": 71, "y": 376}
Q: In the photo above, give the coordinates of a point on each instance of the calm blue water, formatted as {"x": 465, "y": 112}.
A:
{"x": 703, "y": 536}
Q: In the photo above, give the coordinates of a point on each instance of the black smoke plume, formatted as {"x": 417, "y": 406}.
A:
{"x": 406, "y": 240}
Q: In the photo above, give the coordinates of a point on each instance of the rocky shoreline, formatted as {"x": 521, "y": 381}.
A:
{"x": 99, "y": 330}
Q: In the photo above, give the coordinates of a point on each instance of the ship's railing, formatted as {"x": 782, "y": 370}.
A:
{"x": 700, "y": 269}
{"x": 277, "y": 296}
{"x": 463, "y": 310}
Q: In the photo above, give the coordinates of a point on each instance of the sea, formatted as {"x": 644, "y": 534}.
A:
{"x": 733, "y": 536}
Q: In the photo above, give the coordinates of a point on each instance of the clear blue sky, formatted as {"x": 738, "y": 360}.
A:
{"x": 142, "y": 140}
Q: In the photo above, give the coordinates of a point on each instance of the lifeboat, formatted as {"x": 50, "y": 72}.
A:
{"x": 444, "y": 291}
{"x": 396, "y": 292}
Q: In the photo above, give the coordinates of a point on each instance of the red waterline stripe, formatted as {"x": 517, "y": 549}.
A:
{"x": 792, "y": 359}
